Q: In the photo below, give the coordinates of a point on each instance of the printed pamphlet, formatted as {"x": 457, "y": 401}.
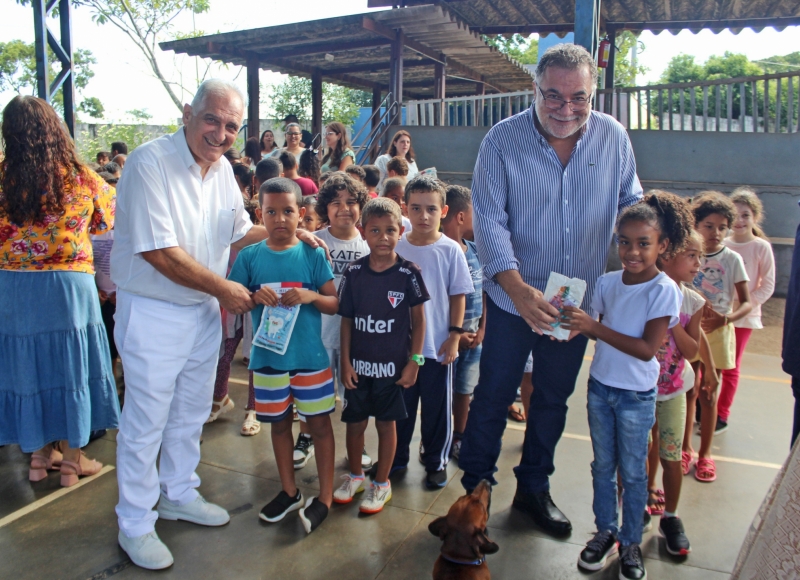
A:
{"x": 277, "y": 322}
{"x": 560, "y": 292}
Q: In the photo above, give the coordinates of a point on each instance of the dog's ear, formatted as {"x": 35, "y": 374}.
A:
{"x": 438, "y": 527}
{"x": 484, "y": 544}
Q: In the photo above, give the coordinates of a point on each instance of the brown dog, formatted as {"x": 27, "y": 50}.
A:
{"x": 463, "y": 531}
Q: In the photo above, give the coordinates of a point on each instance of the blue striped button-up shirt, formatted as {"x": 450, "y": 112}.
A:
{"x": 534, "y": 215}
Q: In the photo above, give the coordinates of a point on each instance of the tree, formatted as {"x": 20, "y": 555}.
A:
{"x": 293, "y": 96}
{"x": 524, "y": 50}
{"x": 18, "y": 74}
{"x": 144, "y": 22}
{"x": 624, "y": 71}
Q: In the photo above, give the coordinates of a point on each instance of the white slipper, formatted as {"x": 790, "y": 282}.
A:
{"x": 251, "y": 425}
{"x": 224, "y": 406}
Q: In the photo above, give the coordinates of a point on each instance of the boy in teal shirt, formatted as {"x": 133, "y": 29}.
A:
{"x": 301, "y": 374}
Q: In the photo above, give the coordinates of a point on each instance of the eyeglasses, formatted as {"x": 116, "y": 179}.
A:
{"x": 329, "y": 133}
{"x": 293, "y": 134}
{"x": 555, "y": 103}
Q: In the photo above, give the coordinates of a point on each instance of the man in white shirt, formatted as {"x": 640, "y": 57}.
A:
{"x": 179, "y": 212}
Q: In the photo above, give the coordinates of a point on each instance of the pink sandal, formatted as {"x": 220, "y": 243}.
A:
{"x": 40, "y": 464}
{"x": 706, "y": 471}
{"x": 687, "y": 461}
{"x": 655, "y": 502}
{"x": 71, "y": 471}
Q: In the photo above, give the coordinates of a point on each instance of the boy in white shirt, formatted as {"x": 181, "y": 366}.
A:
{"x": 447, "y": 278}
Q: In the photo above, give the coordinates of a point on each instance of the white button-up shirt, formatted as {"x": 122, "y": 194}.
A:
{"x": 163, "y": 202}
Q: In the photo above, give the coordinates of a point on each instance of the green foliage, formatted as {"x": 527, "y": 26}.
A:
{"x": 683, "y": 69}
{"x": 293, "y": 96}
{"x": 525, "y": 50}
{"x": 624, "y": 73}
{"x": 90, "y": 142}
{"x": 779, "y": 64}
{"x": 18, "y": 73}
{"x": 92, "y": 107}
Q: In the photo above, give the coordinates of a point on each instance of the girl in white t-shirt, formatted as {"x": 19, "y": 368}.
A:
{"x": 752, "y": 245}
{"x": 676, "y": 376}
{"x": 722, "y": 279}
{"x": 636, "y": 305}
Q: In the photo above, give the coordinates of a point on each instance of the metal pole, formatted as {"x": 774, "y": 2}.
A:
{"x": 397, "y": 75}
{"x": 40, "y": 31}
{"x": 609, "y": 76}
{"x": 68, "y": 88}
{"x": 316, "y": 105}
{"x": 376, "y": 118}
{"x": 253, "y": 121}
{"x": 587, "y": 21}
{"x": 440, "y": 89}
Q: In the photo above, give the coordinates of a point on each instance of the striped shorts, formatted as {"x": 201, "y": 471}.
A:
{"x": 276, "y": 390}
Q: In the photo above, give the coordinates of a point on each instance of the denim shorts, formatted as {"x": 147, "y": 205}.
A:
{"x": 467, "y": 369}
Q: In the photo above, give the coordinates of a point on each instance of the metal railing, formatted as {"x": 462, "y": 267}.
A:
{"x": 762, "y": 104}
{"x": 379, "y": 124}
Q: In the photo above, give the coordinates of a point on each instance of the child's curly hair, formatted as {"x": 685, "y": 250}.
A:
{"x": 671, "y": 215}
{"x": 710, "y": 202}
{"x": 338, "y": 181}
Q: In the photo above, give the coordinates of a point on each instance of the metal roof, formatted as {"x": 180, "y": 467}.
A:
{"x": 355, "y": 51}
{"x": 507, "y": 16}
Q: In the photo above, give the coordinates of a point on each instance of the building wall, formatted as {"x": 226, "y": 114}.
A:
{"x": 682, "y": 162}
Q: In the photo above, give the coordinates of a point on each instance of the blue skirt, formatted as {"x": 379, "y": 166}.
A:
{"x": 56, "y": 378}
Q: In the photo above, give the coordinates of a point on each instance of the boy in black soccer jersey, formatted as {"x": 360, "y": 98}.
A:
{"x": 383, "y": 330}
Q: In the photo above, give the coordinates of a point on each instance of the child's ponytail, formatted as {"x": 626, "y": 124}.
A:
{"x": 670, "y": 213}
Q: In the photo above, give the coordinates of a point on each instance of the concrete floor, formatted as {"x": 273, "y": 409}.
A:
{"x": 74, "y": 535}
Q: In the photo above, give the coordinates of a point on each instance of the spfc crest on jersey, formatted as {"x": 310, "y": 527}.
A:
{"x": 395, "y": 298}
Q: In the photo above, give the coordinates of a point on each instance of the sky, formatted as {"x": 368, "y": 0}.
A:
{"x": 123, "y": 81}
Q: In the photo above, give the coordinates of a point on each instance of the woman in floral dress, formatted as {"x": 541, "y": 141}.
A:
{"x": 56, "y": 383}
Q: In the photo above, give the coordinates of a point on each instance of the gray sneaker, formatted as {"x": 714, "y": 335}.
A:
{"x": 198, "y": 511}
{"x": 146, "y": 551}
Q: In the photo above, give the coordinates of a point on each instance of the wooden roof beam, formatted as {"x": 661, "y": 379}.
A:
{"x": 304, "y": 50}
{"x": 386, "y": 32}
{"x": 376, "y": 66}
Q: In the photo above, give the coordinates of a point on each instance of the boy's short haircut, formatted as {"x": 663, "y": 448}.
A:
{"x": 380, "y": 207}
{"x": 711, "y": 202}
{"x": 426, "y": 184}
{"x": 398, "y": 165}
{"x": 324, "y": 176}
{"x": 372, "y": 175}
{"x": 268, "y": 168}
{"x": 338, "y": 181}
{"x": 280, "y": 185}
{"x": 357, "y": 171}
{"x": 288, "y": 160}
{"x": 393, "y": 183}
{"x": 459, "y": 198}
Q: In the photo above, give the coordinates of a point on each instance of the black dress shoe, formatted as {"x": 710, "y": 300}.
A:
{"x": 544, "y": 512}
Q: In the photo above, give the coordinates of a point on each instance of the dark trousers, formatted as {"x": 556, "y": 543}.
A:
{"x": 506, "y": 346}
{"x": 107, "y": 310}
{"x": 796, "y": 391}
{"x": 435, "y": 390}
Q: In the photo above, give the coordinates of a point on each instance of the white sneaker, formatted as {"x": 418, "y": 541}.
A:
{"x": 375, "y": 498}
{"x": 366, "y": 460}
{"x": 348, "y": 489}
{"x": 303, "y": 450}
{"x": 198, "y": 511}
{"x": 146, "y": 551}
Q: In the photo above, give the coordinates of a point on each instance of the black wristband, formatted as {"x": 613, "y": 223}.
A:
{"x": 457, "y": 329}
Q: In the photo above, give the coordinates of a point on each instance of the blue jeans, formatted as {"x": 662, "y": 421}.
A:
{"x": 619, "y": 423}
{"x": 508, "y": 342}
{"x": 467, "y": 369}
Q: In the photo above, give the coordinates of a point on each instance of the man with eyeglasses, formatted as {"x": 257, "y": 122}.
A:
{"x": 548, "y": 185}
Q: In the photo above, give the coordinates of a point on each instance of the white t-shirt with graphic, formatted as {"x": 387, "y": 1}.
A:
{"x": 342, "y": 253}
{"x": 717, "y": 279}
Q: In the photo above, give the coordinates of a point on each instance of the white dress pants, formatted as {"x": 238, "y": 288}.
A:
{"x": 169, "y": 353}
